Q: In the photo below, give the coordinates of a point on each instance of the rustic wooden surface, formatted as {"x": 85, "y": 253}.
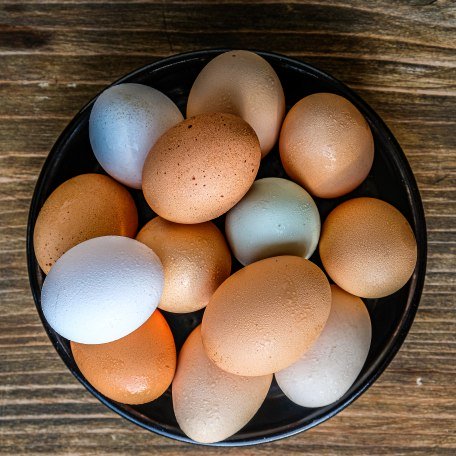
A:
{"x": 55, "y": 55}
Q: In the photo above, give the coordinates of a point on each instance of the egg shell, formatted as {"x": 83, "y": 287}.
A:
{"x": 102, "y": 289}
{"x": 135, "y": 369}
{"x": 210, "y": 404}
{"x": 201, "y": 168}
{"x": 330, "y": 367}
{"x": 275, "y": 217}
{"x": 83, "y": 207}
{"x": 245, "y": 84}
{"x": 125, "y": 122}
{"x": 266, "y": 315}
{"x": 195, "y": 258}
{"x": 326, "y": 145}
{"x": 368, "y": 248}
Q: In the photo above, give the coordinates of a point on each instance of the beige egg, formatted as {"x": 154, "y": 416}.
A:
{"x": 245, "y": 84}
{"x": 210, "y": 404}
{"x": 266, "y": 315}
{"x": 135, "y": 369}
{"x": 330, "y": 367}
{"x": 368, "y": 248}
{"x": 201, "y": 168}
{"x": 82, "y": 208}
{"x": 195, "y": 258}
{"x": 326, "y": 145}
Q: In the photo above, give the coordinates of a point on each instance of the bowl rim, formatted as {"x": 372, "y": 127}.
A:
{"x": 381, "y": 361}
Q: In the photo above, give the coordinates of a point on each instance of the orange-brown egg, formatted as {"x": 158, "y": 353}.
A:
{"x": 266, "y": 315}
{"x": 135, "y": 369}
{"x": 195, "y": 258}
{"x": 368, "y": 248}
{"x": 209, "y": 403}
{"x": 326, "y": 145}
{"x": 82, "y": 208}
{"x": 201, "y": 168}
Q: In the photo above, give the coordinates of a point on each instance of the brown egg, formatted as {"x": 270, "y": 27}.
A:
{"x": 326, "y": 145}
{"x": 266, "y": 315}
{"x": 368, "y": 248}
{"x": 195, "y": 258}
{"x": 210, "y": 404}
{"x": 241, "y": 83}
{"x": 201, "y": 168}
{"x": 84, "y": 207}
{"x": 135, "y": 369}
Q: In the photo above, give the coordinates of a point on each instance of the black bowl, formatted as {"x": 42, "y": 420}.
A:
{"x": 390, "y": 179}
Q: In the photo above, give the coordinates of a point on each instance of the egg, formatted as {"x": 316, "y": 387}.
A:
{"x": 195, "y": 258}
{"x": 210, "y": 404}
{"x": 102, "y": 289}
{"x": 135, "y": 369}
{"x": 201, "y": 168}
{"x": 83, "y": 207}
{"x": 125, "y": 122}
{"x": 245, "y": 84}
{"x": 275, "y": 217}
{"x": 330, "y": 367}
{"x": 266, "y": 315}
{"x": 326, "y": 145}
{"x": 368, "y": 248}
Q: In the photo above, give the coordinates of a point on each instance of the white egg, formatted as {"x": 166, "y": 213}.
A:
{"x": 330, "y": 367}
{"x": 125, "y": 122}
{"x": 102, "y": 289}
{"x": 210, "y": 404}
{"x": 276, "y": 217}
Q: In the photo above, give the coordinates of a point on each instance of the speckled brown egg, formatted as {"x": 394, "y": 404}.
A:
{"x": 326, "y": 145}
{"x": 195, "y": 258}
{"x": 201, "y": 168}
{"x": 368, "y": 248}
{"x": 135, "y": 369}
{"x": 82, "y": 208}
{"x": 209, "y": 403}
{"x": 245, "y": 84}
{"x": 266, "y": 315}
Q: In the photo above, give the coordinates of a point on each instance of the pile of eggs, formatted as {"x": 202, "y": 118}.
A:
{"x": 278, "y": 315}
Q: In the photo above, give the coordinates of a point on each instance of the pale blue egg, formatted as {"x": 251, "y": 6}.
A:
{"x": 125, "y": 122}
{"x": 275, "y": 217}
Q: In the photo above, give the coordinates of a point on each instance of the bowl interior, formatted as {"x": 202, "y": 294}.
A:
{"x": 390, "y": 180}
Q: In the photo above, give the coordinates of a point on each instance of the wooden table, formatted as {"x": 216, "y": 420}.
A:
{"x": 400, "y": 56}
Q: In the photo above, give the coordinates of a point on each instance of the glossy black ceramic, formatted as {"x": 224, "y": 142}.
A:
{"x": 390, "y": 179}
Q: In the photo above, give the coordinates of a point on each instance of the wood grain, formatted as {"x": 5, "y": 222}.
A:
{"x": 55, "y": 55}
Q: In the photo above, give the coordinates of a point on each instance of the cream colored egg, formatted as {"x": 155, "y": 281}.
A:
{"x": 329, "y": 368}
{"x": 210, "y": 404}
{"x": 195, "y": 258}
{"x": 368, "y": 248}
{"x": 326, "y": 145}
{"x": 82, "y": 208}
{"x": 201, "y": 168}
{"x": 266, "y": 315}
{"x": 245, "y": 84}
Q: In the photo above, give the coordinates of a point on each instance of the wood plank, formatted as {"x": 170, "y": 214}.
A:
{"x": 102, "y": 70}
{"x": 56, "y": 54}
{"x": 67, "y": 42}
{"x": 62, "y": 101}
{"x": 359, "y": 16}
